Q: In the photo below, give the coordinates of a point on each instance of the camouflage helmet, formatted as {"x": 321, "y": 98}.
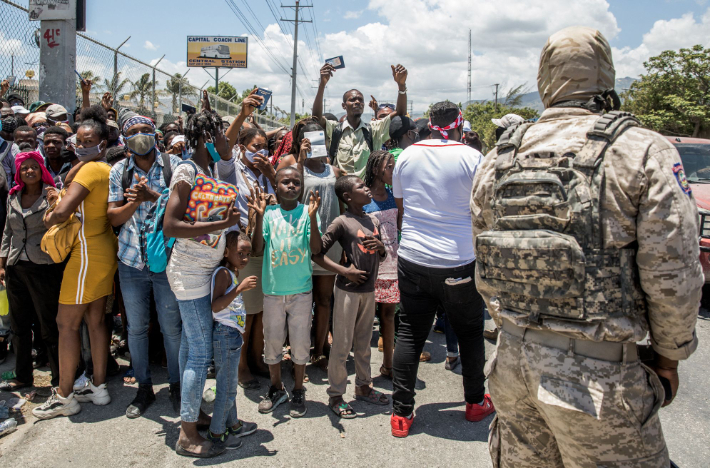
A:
{"x": 575, "y": 64}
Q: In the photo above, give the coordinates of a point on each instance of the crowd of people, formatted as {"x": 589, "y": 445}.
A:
{"x": 294, "y": 256}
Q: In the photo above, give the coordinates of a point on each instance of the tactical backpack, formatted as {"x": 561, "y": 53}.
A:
{"x": 544, "y": 256}
{"x": 338, "y": 134}
{"x": 155, "y": 247}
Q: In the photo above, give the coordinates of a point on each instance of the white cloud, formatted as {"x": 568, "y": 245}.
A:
{"x": 352, "y": 14}
{"x": 673, "y": 34}
{"x": 150, "y": 46}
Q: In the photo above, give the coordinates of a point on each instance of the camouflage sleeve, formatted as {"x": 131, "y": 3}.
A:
{"x": 668, "y": 261}
{"x": 483, "y": 184}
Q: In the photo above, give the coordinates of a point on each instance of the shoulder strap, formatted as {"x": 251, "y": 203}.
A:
{"x": 605, "y": 130}
{"x": 126, "y": 176}
{"x": 167, "y": 169}
{"x": 367, "y": 133}
{"x": 335, "y": 141}
{"x": 509, "y": 144}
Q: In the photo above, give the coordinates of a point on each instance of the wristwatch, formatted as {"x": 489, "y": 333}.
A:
{"x": 403, "y": 92}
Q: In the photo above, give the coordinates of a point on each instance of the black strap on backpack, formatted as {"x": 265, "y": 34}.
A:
{"x": 337, "y": 135}
{"x": 127, "y": 176}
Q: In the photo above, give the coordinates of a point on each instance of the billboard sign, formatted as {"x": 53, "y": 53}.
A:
{"x": 52, "y": 10}
{"x": 217, "y": 51}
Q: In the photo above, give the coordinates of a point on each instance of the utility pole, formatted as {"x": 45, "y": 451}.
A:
{"x": 12, "y": 65}
{"x": 295, "y": 56}
{"x": 115, "y": 67}
{"x": 216, "y": 81}
{"x": 57, "y": 62}
{"x": 152, "y": 104}
{"x": 496, "y": 85}
{"x": 468, "y": 94}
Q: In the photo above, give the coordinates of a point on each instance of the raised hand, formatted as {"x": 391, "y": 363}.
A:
{"x": 305, "y": 149}
{"x": 399, "y": 73}
{"x": 257, "y": 200}
{"x": 373, "y": 103}
{"x": 251, "y": 102}
{"x": 107, "y": 101}
{"x": 4, "y": 86}
{"x": 86, "y": 86}
{"x": 326, "y": 73}
{"x": 313, "y": 203}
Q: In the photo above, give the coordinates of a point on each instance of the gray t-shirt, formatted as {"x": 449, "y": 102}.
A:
{"x": 350, "y": 230}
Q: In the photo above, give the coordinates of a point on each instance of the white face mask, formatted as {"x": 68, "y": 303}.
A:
{"x": 250, "y": 155}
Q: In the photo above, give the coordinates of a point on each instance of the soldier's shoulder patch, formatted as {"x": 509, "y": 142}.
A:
{"x": 680, "y": 177}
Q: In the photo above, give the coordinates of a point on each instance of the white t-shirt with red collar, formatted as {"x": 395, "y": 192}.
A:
{"x": 435, "y": 178}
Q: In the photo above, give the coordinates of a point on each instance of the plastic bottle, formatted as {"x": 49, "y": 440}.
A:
{"x": 209, "y": 394}
{"x": 8, "y": 426}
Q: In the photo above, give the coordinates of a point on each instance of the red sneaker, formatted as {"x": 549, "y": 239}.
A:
{"x": 476, "y": 412}
{"x": 400, "y": 425}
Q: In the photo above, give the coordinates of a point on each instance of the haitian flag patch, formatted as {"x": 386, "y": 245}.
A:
{"x": 680, "y": 177}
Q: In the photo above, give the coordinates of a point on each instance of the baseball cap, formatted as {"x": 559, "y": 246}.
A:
{"x": 400, "y": 125}
{"x": 466, "y": 126}
{"x": 507, "y": 120}
{"x": 20, "y": 110}
{"x": 55, "y": 110}
{"x": 14, "y": 97}
{"x": 422, "y": 127}
{"x": 38, "y": 106}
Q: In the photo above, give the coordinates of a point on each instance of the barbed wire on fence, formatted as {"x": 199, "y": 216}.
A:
{"x": 133, "y": 83}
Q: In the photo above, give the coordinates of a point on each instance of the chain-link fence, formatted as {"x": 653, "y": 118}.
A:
{"x": 134, "y": 84}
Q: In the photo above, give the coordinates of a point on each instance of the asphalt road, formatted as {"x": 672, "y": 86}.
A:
{"x": 103, "y": 436}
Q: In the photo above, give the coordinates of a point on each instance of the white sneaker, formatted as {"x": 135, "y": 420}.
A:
{"x": 90, "y": 393}
{"x": 56, "y": 405}
{"x": 80, "y": 382}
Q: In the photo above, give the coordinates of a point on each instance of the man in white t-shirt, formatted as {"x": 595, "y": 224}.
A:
{"x": 432, "y": 181}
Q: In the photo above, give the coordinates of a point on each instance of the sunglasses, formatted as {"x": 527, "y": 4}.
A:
{"x": 389, "y": 106}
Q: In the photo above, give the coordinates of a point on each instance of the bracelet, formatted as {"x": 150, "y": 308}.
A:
{"x": 403, "y": 92}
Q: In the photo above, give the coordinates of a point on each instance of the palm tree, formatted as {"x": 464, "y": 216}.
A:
{"x": 172, "y": 88}
{"x": 87, "y": 76}
{"x": 115, "y": 85}
{"x": 142, "y": 88}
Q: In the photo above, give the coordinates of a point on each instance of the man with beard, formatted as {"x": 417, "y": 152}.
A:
{"x": 352, "y": 140}
{"x": 134, "y": 186}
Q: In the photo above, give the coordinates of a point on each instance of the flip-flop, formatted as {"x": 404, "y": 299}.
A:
{"x": 253, "y": 384}
{"x": 344, "y": 410}
{"x": 216, "y": 449}
{"x": 374, "y": 397}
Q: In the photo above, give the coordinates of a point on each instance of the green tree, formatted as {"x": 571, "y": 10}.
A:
{"x": 142, "y": 88}
{"x": 226, "y": 90}
{"x": 673, "y": 97}
{"x": 172, "y": 88}
{"x": 481, "y": 113}
{"x": 287, "y": 120}
{"x": 115, "y": 85}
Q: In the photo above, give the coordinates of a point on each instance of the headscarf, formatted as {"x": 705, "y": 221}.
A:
{"x": 138, "y": 119}
{"x": 283, "y": 149}
{"x": 575, "y": 64}
{"x": 444, "y": 130}
{"x": 22, "y": 157}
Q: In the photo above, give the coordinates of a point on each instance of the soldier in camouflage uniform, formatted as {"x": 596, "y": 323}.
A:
{"x": 586, "y": 241}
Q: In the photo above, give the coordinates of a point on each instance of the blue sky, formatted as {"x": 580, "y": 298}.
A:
{"x": 371, "y": 34}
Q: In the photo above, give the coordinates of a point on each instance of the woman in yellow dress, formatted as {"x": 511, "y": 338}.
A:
{"x": 88, "y": 277}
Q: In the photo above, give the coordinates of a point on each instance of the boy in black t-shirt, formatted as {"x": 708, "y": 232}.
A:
{"x": 354, "y": 310}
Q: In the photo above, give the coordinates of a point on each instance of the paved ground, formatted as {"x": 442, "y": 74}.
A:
{"x": 102, "y": 436}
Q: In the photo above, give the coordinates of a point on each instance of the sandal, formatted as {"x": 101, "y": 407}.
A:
{"x": 343, "y": 410}
{"x": 320, "y": 361}
{"x": 425, "y": 356}
{"x": 253, "y": 384}
{"x": 374, "y": 397}
{"x": 386, "y": 372}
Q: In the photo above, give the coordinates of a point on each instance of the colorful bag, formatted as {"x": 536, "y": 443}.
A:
{"x": 209, "y": 199}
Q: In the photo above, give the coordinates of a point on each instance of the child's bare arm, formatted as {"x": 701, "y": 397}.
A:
{"x": 351, "y": 273}
{"x": 313, "y": 204}
{"x": 220, "y": 300}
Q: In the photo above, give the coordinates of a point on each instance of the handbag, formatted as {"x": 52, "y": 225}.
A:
{"x": 57, "y": 242}
{"x": 209, "y": 199}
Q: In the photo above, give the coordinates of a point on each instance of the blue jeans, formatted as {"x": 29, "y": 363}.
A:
{"x": 227, "y": 347}
{"x": 195, "y": 354}
{"x": 136, "y": 286}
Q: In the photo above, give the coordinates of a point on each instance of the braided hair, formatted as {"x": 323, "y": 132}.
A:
{"x": 373, "y": 164}
{"x": 203, "y": 121}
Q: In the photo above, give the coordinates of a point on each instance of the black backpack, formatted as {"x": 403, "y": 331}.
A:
{"x": 337, "y": 135}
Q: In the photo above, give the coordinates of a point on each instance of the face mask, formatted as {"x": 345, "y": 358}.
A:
{"x": 250, "y": 155}
{"x": 141, "y": 143}
{"x": 213, "y": 152}
{"x": 88, "y": 154}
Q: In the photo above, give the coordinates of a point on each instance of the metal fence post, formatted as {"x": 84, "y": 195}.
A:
{"x": 115, "y": 67}
{"x": 152, "y": 102}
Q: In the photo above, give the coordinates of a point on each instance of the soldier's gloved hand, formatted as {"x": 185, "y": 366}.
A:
{"x": 667, "y": 370}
